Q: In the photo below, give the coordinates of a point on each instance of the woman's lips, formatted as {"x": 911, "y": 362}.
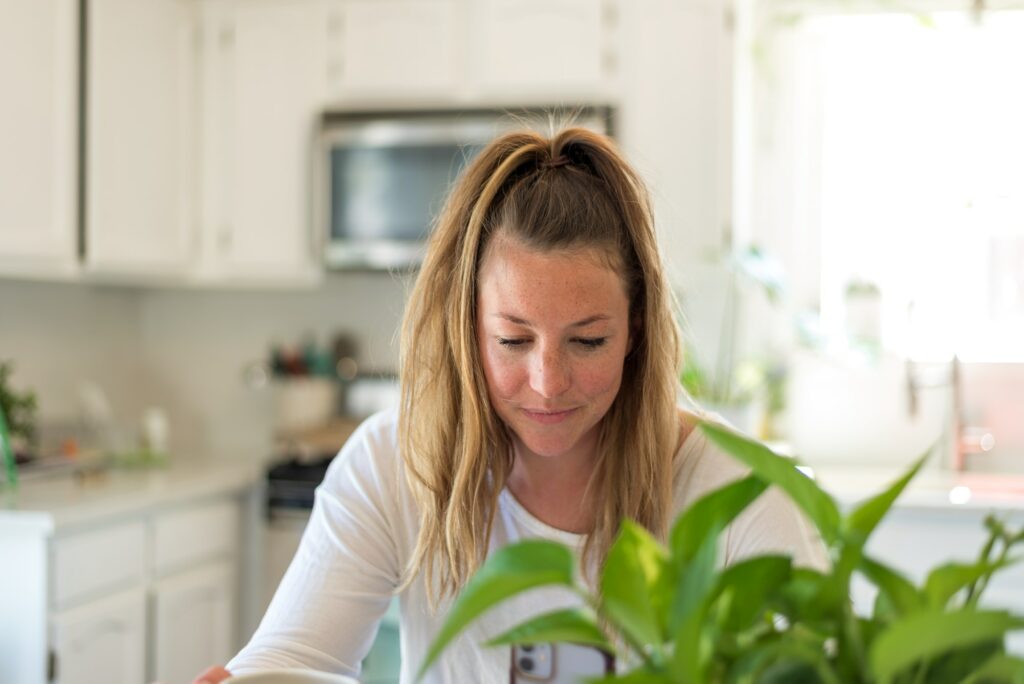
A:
{"x": 548, "y": 417}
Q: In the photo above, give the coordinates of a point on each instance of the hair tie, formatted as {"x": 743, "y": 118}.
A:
{"x": 560, "y": 160}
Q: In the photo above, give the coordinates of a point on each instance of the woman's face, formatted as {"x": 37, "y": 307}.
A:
{"x": 553, "y": 331}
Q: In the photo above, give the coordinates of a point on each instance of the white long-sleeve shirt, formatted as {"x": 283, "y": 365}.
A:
{"x": 363, "y": 529}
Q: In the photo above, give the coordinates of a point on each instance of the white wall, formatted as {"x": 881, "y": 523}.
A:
{"x": 60, "y": 335}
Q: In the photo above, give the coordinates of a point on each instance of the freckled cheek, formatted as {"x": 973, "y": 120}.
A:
{"x": 600, "y": 379}
{"x": 504, "y": 377}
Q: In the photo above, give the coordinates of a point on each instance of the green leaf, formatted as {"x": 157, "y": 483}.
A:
{"x": 808, "y": 596}
{"x": 783, "y": 473}
{"x": 900, "y": 594}
{"x": 780, "y": 658}
{"x": 572, "y": 625}
{"x": 509, "y": 571}
{"x": 953, "y": 667}
{"x": 863, "y": 520}
{"x": 946, "y": 580}
{"x": 628, "y": 584}
{"x": 712, "y": 512}
{"x": 929, "y": 633}
{"x": 746, "y": 586}
{"x": 1000, "y": 668}
{"x": 689, "y": 606}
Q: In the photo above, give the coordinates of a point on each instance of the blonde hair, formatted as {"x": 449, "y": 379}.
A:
{"x": 573, "y": 190}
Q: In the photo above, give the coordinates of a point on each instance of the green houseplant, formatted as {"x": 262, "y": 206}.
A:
{"x": 673, "y": 616}
{"x": 735, "y": 386}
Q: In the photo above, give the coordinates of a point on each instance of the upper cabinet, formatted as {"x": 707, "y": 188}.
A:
{"x": 38, "y": 137}
{"x": 562, "y": 50}
{"x": 197, "y": 118}
{"x": 471, "y": 52}
{"x": 140, "y": 136}
{"x": 264, "y": 80}
{"x": 391, "y": 49}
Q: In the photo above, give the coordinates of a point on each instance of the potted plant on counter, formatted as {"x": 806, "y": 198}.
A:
{"x": 670, "y": 614}
{"x": 742, "y": 389}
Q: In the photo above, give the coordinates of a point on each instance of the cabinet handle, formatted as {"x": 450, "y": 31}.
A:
{"x": 51, "y": 666}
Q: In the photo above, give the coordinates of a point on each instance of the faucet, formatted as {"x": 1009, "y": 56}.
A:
{"x": 966, "y": 440}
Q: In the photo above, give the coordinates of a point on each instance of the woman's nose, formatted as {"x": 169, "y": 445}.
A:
{"x": 550, "y": 376}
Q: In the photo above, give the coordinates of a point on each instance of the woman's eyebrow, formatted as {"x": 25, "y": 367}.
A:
{"x": 578, "y": 324}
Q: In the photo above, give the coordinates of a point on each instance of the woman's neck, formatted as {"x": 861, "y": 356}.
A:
{"x": 554, "y": 489}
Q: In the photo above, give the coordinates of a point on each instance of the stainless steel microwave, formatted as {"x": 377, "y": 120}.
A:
{"x": 382, "y": 177}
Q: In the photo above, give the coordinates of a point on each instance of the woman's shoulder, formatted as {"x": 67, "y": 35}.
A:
{"x": 370, "y": 455}
{"x": 699, "y": 465}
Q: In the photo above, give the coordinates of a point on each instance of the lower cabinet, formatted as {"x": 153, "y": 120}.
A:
{"x": 193, "y": 622}
{"x": 151, "y": 598}
{"x": 104, "y": 640}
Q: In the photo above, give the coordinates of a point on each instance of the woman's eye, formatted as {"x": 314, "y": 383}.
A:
{"x": 592, "y": 342}
{"x": 511, "y": 342}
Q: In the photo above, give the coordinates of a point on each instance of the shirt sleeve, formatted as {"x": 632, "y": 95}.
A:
{"x": 325, "y": 613}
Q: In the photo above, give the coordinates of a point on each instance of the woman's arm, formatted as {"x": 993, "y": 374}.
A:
{"x": 325, "y": 612}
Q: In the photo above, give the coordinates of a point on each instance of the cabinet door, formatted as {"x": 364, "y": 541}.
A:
{"x": 194, "y": 622}
{"x": 394, "y": 49}
{"x": 264, "y": 79}
{"x": 140, "y": 135}
{"x": 38, "y": 126}
{"x": 102, "y": 641}
{"x": 542, "y": 48}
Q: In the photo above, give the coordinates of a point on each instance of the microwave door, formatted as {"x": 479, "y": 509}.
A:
{"x": 386, "y": 188}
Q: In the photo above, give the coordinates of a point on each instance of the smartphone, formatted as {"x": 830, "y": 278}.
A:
{"x": 558, "y": 663}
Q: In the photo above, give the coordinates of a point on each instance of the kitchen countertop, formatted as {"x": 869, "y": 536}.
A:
{"x": 931, "y": 489}
{"x": 53, "y": 503}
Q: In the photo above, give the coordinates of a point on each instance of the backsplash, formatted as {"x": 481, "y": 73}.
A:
{"x": 184, "y": 350}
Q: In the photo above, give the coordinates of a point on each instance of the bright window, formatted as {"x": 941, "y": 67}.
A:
{"x": 917, "y": 181}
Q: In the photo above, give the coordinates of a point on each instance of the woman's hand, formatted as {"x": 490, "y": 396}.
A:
{"x": 212, "y": 675}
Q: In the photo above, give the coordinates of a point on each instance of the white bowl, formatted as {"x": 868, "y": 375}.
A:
{"x": 290, "y": 677}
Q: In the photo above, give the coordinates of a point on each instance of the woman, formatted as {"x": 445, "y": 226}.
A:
{"x": 539, "y": 399}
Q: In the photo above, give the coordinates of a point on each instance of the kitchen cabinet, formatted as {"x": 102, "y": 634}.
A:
{"x": 556, "y": 50}
{"x": 263, "y": 83}
{"x": 38, "y": 138}
{"x": 140, "y": 137}
{"x": 140, "y": 576}
{"x": 193, "y": 622}
{"x": 104, "y": 638}
{"x": 394, "y": 49}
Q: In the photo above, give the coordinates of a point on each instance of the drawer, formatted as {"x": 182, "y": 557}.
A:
{"x": 107, "y": 558}
{"x": 194, "y": 534}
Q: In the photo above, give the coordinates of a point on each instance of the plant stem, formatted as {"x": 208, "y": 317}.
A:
{"x": 852, "y": 631}
{"x": 7, "y": 452}
{"x": 974, "y": 590}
